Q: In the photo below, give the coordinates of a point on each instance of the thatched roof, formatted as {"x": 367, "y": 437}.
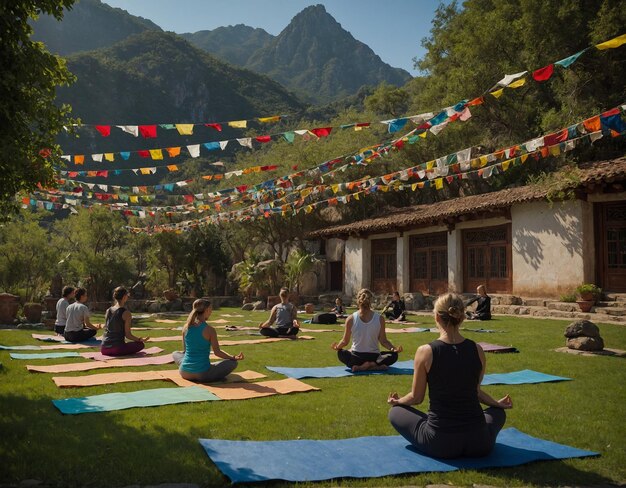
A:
{"x": 594, "y": 176}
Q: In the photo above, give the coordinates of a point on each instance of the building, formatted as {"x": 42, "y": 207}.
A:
{"x": 515, "y": 241}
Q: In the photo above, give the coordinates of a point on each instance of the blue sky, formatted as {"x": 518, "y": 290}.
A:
{"x": 392, "y": 28}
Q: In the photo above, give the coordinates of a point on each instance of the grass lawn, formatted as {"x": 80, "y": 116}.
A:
{"x": 157, "y": 445}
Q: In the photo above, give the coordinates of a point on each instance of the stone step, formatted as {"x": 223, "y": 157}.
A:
{"x": 615, "y": 297}
{"x": 610, "y": 304}
{"x": 537, "y": 302}
{"x": 563, "y": 306}
{"x": 613, "y": 311}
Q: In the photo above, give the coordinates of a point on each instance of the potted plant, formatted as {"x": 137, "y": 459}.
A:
{"x": 589, "y": 292}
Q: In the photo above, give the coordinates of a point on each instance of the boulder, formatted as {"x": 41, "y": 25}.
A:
{"x": 414, "y": 301}
{"x": 174, "y": 305}
{"x": 153, "y": 306}
{"x": 586, "y": 343}
{"x": 582, "y": 328}
{"x": 260, "y": 305}
{"x": 247, "y": 306}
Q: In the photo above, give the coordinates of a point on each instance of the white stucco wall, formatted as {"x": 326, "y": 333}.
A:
{"x": 552, "y": 247}
{"x": 357, "y": 265}
{"x": 334, "y": 249}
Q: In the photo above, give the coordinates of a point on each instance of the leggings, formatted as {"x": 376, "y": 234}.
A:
{"x": 124, "y": 349}
{"x": 79, "y": 335}
{"x": 392, "y": 316}
{"x": 351, "y": 358}
{"x": 414, "y": 427}
{"x": 59, "y": 329}
{"x": 218, "y": 371}
{"x": 279, "y": 331}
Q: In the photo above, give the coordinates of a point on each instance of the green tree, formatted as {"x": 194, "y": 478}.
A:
{"x": 27, "y": 261}
{"x": 29, "y": 119}
{"x": 388, "y": 100}
{"x": 97, "y": 243}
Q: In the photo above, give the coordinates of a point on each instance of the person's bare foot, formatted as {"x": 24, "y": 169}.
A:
{"x": 366, "y": 366}
{"x": 379, "y": 367}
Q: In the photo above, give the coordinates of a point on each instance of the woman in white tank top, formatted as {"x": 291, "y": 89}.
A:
{"x": 367, "y": 329}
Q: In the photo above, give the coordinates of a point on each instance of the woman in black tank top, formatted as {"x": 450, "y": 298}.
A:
{"x": 453, "y": 368}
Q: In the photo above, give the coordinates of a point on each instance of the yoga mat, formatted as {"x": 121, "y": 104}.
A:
{"x": 407, "y": 329}
{"x": 486, "y": 331}
{"x": 402, "y": 367}
{"x": 46, "y": 348}
{"x": 367, "y": 457}
{"x": 113, "y": 363}
{"x": 45, "y": 355}
{"x": 523, "y": 377}
{"x": 95, "y": 341}
{"x": 98, "y": 356}
{"x": 130, "y": 377}
{"x": 169, "y": 321}
{"x": 229, "y": 315}
{"x": 233, "y": 343}
{"x": 218, "y": 321}
{"x": 496, "y": 348}
{"x": 144, "y": 398}
{"x": 246, "y": 391}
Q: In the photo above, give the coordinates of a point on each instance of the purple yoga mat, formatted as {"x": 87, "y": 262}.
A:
{"x": 487, "y": 347}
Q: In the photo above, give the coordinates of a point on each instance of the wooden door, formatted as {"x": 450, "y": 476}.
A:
{"x": 384, "y": 271}
{"x": 611, "y": 240}
{"x": 335, "y": 276}
{"x": 428, "y": 263}
{"x": 487, "y": 259}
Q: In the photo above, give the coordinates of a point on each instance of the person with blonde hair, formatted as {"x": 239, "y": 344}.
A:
{"x": 368, "y": 329}
{"x": 117, "y": 328}
{"x": 285, "y": 315}
{"x": 453, "y": 368}
{"x": 198, "y": 338}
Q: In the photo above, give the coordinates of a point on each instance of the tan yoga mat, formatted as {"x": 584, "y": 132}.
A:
{"x": 217, "y": 321}
{"x": 245, "y": 391}
{"x": 605, "y": 352}
{"x": 114, "y": 363}
{"x": 169, "y": 321}
{"x": 234, "y": 343}
{"x": 134, "y": 376}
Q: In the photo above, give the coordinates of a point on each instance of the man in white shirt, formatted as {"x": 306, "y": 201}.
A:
{"x": 62, "y": 304}
{"x": 78, "y": 327}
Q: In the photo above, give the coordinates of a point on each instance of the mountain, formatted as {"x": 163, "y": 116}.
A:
{"x": 234, "y": 44}
{"x": 157, "y": 77}
{"x": 89, "y": 25}
{"x": 314, "y": 55}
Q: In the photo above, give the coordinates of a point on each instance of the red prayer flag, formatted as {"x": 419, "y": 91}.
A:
{"x": 294, "y": 167}
{"x": 613, "y": 111}
{"x": 105, "y": 130}
{"x": 188, "y": 198}
{"x": 399, "y": 143}
{"x": 217, "y": 127}
{"x": 552, "y": 139}
{"x": 475, "y": 101}
{"x": 543, "y": 74}
{"x": 104, "y": 174}
{"x": 45, "y": 152}
{"x": 321, "y": 131}
{"x": 144, "y": 153}
{"x": 263, "y": 139}
{"x": 148, "y": 131}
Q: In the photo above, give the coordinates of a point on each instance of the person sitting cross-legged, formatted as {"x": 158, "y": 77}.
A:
{"x": 198, "y": 338}
{"x": 285, "y": 315}
{"x": 117, "y": 328}
{"x": 367, "y": 329}
{"x": 483, "y": 307}
{"x": 453, "y": 368}
{"x": 78, "y": 327}
{"x": 396, "y": 309}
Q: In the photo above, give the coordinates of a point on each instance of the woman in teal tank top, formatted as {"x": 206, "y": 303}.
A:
{"x": 198, "y": 337}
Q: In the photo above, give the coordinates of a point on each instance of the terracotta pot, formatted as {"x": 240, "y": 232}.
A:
{"x": 587, "y": 296}
{"x": 32, "y": 311}
{"x": 170, "y": 295}
{"x": 51, "y": 306}
{"x": 9, "y": 304}
{"x": 585, "y": 305}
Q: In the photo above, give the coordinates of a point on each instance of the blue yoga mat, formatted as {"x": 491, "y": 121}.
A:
{"x": 20, "y": 348}
{"x": 406, "y": 367}
{"x": 142, "y": 398}
{"x": 45, "y": 355}
{"x": 92, "y": 341}
{"x": 366, "y": 457}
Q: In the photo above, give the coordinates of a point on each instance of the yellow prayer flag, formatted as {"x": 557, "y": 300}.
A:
{"x": 483, "y": 161}
{"x": 523, "y": 158}
{"x": 414, "y": 186}
{"x": 384, "y": 188}
{"x": 612, "y": 43}
{"x": 518, "y": 83}
{"x": 156, "y": 153}
{"x": 335, "y": 188}
{"x": 555, "y": 150}
{"x": 439, "y": 183}
{"x": 184, "y": 129}
{"x": 109, "y": 157}
{"x": 265, "y": 120}
{"x": 172, "y": 167}
{"x": 173, "y": 151}
{"x": 430, "y": 165}
{"x": 145, "y": 171}
{"x": 356, "y": 195}
{"x": 423, "y": 134}
{"x": 134, "y": 199}
{"x": 497, "y": 93}
{"x": 505, "y": 164}
{"x": 238, "y": 124}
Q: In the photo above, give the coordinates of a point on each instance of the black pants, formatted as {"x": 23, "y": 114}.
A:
{"x": 350, "y": 358}
{"x": 59, "y": 329}
{"x": 279, "y": 331}
{"x": 413, "y": 426}
{"x": 392, "y": 316}
{"x": 79, "y": 335}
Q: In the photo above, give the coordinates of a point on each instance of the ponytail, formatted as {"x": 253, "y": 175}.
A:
{"x": 199, "y": 307}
